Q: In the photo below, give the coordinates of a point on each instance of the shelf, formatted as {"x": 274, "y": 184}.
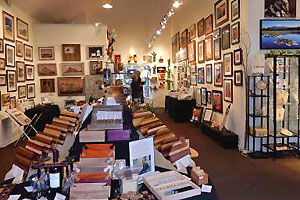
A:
{"x": 279, "y": 147}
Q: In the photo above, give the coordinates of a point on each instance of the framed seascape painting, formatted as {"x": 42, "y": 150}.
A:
{"x": 72, "y": 69}
{"x": 238, "y": 78}
{"x": 9, "y": 55}
{"x": 96, "y": 67}
{"x": 184, "y": 38}
{"x": 46, "y": 53}
{"x": 217, "y": 101}
{"x": 47, "y": 85}
{"x": 192, "y": 32}
{"x": 209, "y": 48}
{"x": 194, "y": 79}
{"x": 201, "y": 75}
{"x": 71, "y": 52}
{"x": 95, "y": 52}
{"x": 19, "y": 49}
{"x": 208, "y": 25}
{"x": 20, "y": 71}
{"x": 11, "y": 80}
{"x": 218, "y": 74}
{"x": 21, "y": 91}
{"x": 200, "y": 27}
{"x": 28, "y": 53}
{"x": 192, "y": 51}
{"x": 204, "y": 96}
{"x": 30, "y": 91}
{"x": 2, "y": 80}
{"x": 235, "y": 10}
{"x": 228, "y": 64}
{"x": 226, "y": 37}
{"x": 209, "y": 73}
{"x": 201, "y": 50}
{"x": 217, "y": 49}
{"x": 29, "y": 73}
{"x": 235, "y": 33}
{"x": 2, "y": 64}
{"x": 280, "y": 8}
{"x": 221, "y": 11}
{"x": 47, "y": 69}
{"x": 238, "y": 56}
{"x": 70, "y": 86}
{"x": 22, "y": 30}
{"x": 8, "y": 26}
{"x": 228, "y": 90}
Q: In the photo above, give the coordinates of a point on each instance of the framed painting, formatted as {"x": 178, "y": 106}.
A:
{"x": 70, "y": 86}
{"x": 96, "y": 67}
{"x": 47, "y": 69}
{"x": 183, "y": 54}
{"x": 217, "y": 101}
{"x": 30, "y": 91}
{"x": 209, "y": 73}
{"x": 8, "y": 26}
{"x": 21, "y": 91}
{"x": 208, "y": 25}
{"x": 175, "y": 49}
{"x": 226, "y": 37}
{"x": 238, "y": 56}
{"x": 201, "y": 75}
{"x": 192, "y": 51}
{"x": 192, "y": 32}
{"x": 201, "y": 50}
{"x": 5, "y": 100}
{"x": 11, "y": 80}
{"x": 28, "y": 53}
{"x": 280, "y": 9}
{"x": 1, "y": 45}
{"x": 71, "y": 52}
{"x": 238, "y": 78}
{"x": 2, "y": 80}
{"x": 228, "y": 64}
{"x": 235, "y": 33}
{"x": 217, "y": 49}
{"x": 29, "y": 73}
{"x": 217, "y": 33}
{"x": 228, "y": 90}
{"x": 235, "y": 10}
{"x": 2, "y": 64}
{"x": 218, "y": 74}
{"x": 47, "y": 85}
{"x": 22, "y": 30}
{"x": 209, "y": 97}
{"x": 221, "y": 9}
{"x": 194, "y": 79}
{"x": 46, "y": 53}
{"x": 200, "y": 27}
{"x": 95, "y": 52}
{"x": 204, "y": 96}
{"x": 193, "y": 68}
{"x": 184, "y": 38}
{"x": 9, "y": 55}
{"x": 209, "y": 48}
{"x": 13, "y": 102}
{"x": 20, "y": 71}
{"x": 19, "y": 49}
{"x": 72, "y": 69}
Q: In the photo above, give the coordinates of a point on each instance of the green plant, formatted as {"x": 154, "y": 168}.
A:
{"x": 150, "y": 106}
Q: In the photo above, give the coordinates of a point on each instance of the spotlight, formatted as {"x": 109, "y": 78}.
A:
{"x": 158, "y": 32}
{"x": 176, "y": 4}
{"x": 107, "y": 6}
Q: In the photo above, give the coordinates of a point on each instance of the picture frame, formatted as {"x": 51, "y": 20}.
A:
{"x": 30, "y": 88}
{"x": 192, "y": 51}
{"x": 1, "y": 45}
{"x": 208, "y": 113}
{"x": 228, "y": 64}
{"x": 201, "y": 52}
{"x": 217, "y": 33}
{"x": 8, "y": 24}
{"x": 5, "y": 98}
{"x": 22, "y": 30}
{"x": 2, "y": 64}
{"x": 71, "y": 52}
{"x": 184, "y": 54}
{"x": 235, "y": 10}
{"x": 29, "y": 72}
{"x": 193, "y": 68}
{"x": 2, "y": 80}
{"x": 175, "y": 49}
{"x": 238, "y": 56}
{"x": 208, "y": 25}
{"x": 238, "y": 78}
{"x": 47, "y": 69}
{"x": 200, "y": 27}
{"x": 226, "y": 37}
{"x": 235, "y": 33}
{"x": 217, "y": 49}
{"x": 221, "y": 11}
{"x": 11, "y": 79}
{"x": 184, "y": 38}
{"x": 218, "y": 74}
{"x": 10, "y": 55}
{"x": 28, "y": 53}
{"x": 72, "y": 69}
{"x": 70, "y": 86}
{"x": 204, "y": 96}
{"x": 21, "y": 91}
{"x": 46, "y": 53}
{"x": 201, "y": 75}
{"x": 193, "y": 79}
{"x": 96, "y": 67}
{"x": 95, "y": 52}
{"x": 209, "y": 48}
{"x": 20, "y": 67}
{"x": 217, "y": 101}
{"x": 19, "y": 49}
{"x": 197, "y": 113}
{"x": 209, "y": 98}
{"x": 47, "y": 85}
{"x": 279, "y": 11}
{"x": 192, "y": 32}
{"x": 228, "y": 90}
{"x": 208, "y": 73}
{"x": 13, "y": 102}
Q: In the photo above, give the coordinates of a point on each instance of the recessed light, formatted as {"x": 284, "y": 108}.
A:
{"x": 107, "y": 6}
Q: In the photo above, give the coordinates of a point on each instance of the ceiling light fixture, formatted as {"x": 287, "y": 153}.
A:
{"x": 158, "y": 32}
{"x": 107, "y": 6}
{"x": 176, "y": 4}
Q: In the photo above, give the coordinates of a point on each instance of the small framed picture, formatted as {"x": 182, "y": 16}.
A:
{"x": 46, "y": 53}
{"x": 29, "y": 73}
{"x": 218, "y": 74}
{"x": 184, "y": 38}
{"x": 2, "y": 64}
{"x": 217, "y": 101}
{"x": 194, "y": 68}
{"x": 208, "y": 115}
{"x": 194, "y": 79}
{"x": 201, "y": 51}
{"x": 209, "y": 73}
{"x": 30, "y": 91}
{"x": 2, "y": 80}
{"x": 71, "y": 52}
{"x": 217, "y": 49}
{"x": 201, "y": 75}
{"x": 28, "y": 50}
{"x": 208, "y": 25}
{"x": 22, "y": 30}
{"x": 235, "y": 10}
{"x": 13, "y": 102}
{"x": 238, "y": 78}
{"x": 21, "y": 91}
{"x": 235, "y": 33}
{"x": 209, "y": 48}
{"x": 20, "y": 71}
{"x": 1, "y": 45}
{"x": 96, "y": 67}
{"x": 8, "y": 26}
{"x": 209, "y": 97}
{"x": 19, "y": 49}
{"x": 47, "y": 69}
{"x": 9, "y": 55}
{"x": 228, "y": 90}
{"x": 11, "y": 80}
{"x": 72, "y": 69}
{"x": 200, "y": 26}
{"x": 95, "y": 52}
{"x": 5, "y": 100}
{"x": 228, "y": 65}
{"x": 217, "y": 33}
{"x": 192, "y": 32}
{"x": 238, "y": 56}
{"x": 192, "y": 51}
{"x": 226, "y": 37}
{"x": 204, "y": 96}
{"x": 47, "y": 85}
{"x": 221, "y": 9}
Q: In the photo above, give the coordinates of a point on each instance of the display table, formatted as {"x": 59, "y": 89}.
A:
{"x": 179, "y": 110}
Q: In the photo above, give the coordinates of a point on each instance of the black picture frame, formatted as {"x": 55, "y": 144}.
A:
{"x": 226, "y": 40}
{"x": 238, "y": 53}
{"x": 203, "y": 96}
{"x": 12, "y": 63}
{"x": 235, "y": 33}
{"x": 217, "y": 49}
{"x": 238, "y": 78}
{"x": 8, "y": 78}
{"x": 217, "y": 101}
{"x": 228, "y": 82}
{"x": 208, "y": 74}
{"x": 235, "y": 16}
{"x": 201, "y": 75}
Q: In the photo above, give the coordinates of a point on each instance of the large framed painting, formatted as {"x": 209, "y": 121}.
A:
{"x": 175, "y": 49}
{"x": 19, "y": 49}
{"x": 200, "y": 27}
{"x": 29, "y": 72}
{"x": 21, "y": 91}
{"x": 279, "y": 34}
{"x": 235, "y": 33}
{"x": 192, "y": 51}
{"x": 96, "y": 67}
{"x": 70, "y": 86}
{"x": 47, "y": 69}
{"x": 209, "y": 73}
{"x": 95, "y": 52}
{"x": 20, "y": 71}
{"x": 30, "y": 91}
{"x": 2, "y": 80}
{"x": 2, "y": 64}
{"x": 221, "y": 9}
{"x": 8, "y": 26}
{"x": 209, "y": 48}
{"x": 184, "y": 38}
{"x": 192, "y": 32}
{"x": 11, "y": 80}
{"x": 218, "y": 74}
{"x": 28, "y": 53}
{"x": 280, "y": 8}
{"x": 201, "y": 75}
{"x": 217, "y": 49}
{"x": 226, "y": 37}
{"x": 208, "y": 25}
{"x": 238, "y": 78}
{"x": 71, "y": 52}
{"x": 228, "y": 90}
{"x": 235, "y": 10}
{"x": 238, "y": 56}
{"x": 201, "y": 51}
{"x": 22, "y": 30}
{"x": 9, "y": 55}
{"x": 217, "y": 101}
{"x": 72, "y": 69}
{"x": 46, "y": 53}
{"x": 47, "y": 85}
{"x": 228, "y": 64}
{"x": 203, "y": 96}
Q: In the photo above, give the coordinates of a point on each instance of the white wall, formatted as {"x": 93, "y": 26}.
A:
{"x": 58, "y": 34}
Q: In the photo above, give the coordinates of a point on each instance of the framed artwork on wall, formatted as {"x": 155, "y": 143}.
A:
{"x": 46, "y": 53}
{"x": 184, "y": 38}
{"x": 22, "y": 30}
{"x": 30, "y": 91}
{"x": 175, "y": 49}
{"x": 209, "y": 48}
{"x": 29, "y": 73}
{"x": 19, "y": 49}
{"x": 238, "y": 78}
{"x": 192, "y": 32}
{"x": 201, "y": 75}
{"x": 2, "y": 80}
{"x": 238, "y": 56}
{"x": 13, "y": 102}
{"x": 72, "y": 69}
{"x": 235, "y": 33}
{"x": 8, "y": 26}
{"x": 9, "y": 55}
{"x": 70, "y": 86}
{"x": 95, "y": 52}
{"x": 217, "y": 101}
{"x": 226, "y": 37}
{"x": 194, "y": 79}
{"x": 96, "y": 67}
{"x": 192, "y": 51}
{"x": 2, "y": 64}
{"x": 221, "y": 11}
{"x": 217, "y": 33}
{"x": 217, "y": 49}
{"x": 203, "y": 96}
{"x": 208, "y": 25}
{"x": 282, "y": 9}
{"x": 21, "y": 91}
{"x": 28, "y": 53}
{"x": 20, "y": 71}
{"x": 1, "y": 45}
{"x": 209, "y": 97}
{"x": 228, "y": 64}
{"x": 5, "y": 100}
{"x": 11, "y": 80}
{"x": 47, "y": 85}
{"x": 209, "y": 73}
{"x": 47, "y": 69}
{"x": 228, "y": 90}
{"x": 193, "y": 68}
{"x": 200, "y": 27}
{"x": 71, "y": 52}
{"x": 184, "y": 54}
{"x": 218, "y": 74}
{"x": 201, "y": 50}
{"x": 235, "y": 10}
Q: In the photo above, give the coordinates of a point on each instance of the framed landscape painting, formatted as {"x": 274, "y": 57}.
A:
{"x": 71, "y": 52}
{"x": 70, "y": 86}
{"x": 46, "y": 53}
{"x": 47, "y": 69}
{"x": 221, "y": 8}
{"x": 22, "y": 30}
{"x": 8, "y": 26}
{"x": 72, "y": 69}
